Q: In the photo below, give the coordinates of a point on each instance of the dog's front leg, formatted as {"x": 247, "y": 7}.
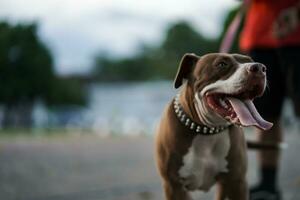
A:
{"x": 175, "y": 191}
{"x": 232, "y": 190}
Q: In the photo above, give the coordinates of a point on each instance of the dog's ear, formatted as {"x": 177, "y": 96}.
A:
{"x": 186, "y": 66}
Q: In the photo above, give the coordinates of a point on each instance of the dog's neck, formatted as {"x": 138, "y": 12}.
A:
{"x": 187, "y": 100}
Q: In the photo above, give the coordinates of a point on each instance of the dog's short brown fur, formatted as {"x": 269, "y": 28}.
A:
{"x": 174, "y": 141}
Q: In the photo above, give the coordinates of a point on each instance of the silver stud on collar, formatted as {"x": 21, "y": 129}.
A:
{"x": 190, "y": 124}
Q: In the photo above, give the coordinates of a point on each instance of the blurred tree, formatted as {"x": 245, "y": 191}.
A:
{"x": 26, "y": 73}
{"x": 156, "y": 63}
{"x": 127, "y": 69}
{"x": 180, "y": 38}
{"x": 161, "y": 62}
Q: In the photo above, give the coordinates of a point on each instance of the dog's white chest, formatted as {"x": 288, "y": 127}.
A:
{"x": 204, "y": 160}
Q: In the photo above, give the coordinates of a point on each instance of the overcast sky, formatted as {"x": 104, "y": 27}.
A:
{"x": 76, "y": 30}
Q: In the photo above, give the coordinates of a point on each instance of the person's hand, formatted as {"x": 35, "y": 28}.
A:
{"x": 287, "y": 22}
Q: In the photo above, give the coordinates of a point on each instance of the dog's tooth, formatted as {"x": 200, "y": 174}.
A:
{"x": 222, "y": 102}
{"x": 227, "y": 117}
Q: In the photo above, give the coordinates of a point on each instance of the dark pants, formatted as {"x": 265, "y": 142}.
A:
{"x": 283, "y": 75}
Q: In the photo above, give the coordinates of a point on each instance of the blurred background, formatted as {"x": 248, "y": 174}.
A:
{"x": 82, "y": 87}
{"x": 85, "y": 64}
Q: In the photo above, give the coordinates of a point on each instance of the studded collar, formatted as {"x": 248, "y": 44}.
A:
{"x": 190, "y": 124}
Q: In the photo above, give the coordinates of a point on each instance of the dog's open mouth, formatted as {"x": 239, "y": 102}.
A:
{"x": 238, "y": 108}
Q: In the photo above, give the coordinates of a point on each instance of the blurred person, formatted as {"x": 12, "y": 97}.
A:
{"x": 271, "y": 35}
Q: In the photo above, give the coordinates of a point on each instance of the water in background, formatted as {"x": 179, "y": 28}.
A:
{"x": 127, "y": 108}
{"x": 122, "y": 108}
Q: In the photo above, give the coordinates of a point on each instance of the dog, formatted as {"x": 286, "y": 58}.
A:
{"x": 199, "y": 141}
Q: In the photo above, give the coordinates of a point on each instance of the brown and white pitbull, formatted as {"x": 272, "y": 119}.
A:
{"x": 200, "y": 141}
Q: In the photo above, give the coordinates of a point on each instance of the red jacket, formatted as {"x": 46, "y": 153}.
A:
{"x": 258, "y": 27}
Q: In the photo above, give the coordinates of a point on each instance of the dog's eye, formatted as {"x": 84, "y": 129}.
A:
{"x": 222, "y": 64}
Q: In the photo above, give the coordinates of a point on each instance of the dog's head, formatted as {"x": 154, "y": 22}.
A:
{"x": 224, "y": 86}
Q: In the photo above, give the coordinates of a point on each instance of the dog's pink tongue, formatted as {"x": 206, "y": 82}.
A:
{"x": 247, "y": 114}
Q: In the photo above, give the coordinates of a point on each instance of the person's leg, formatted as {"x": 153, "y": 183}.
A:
{"x": 269, "y": 159}
{"x": 269, "y": 105}
{"x": 289, "y": 57}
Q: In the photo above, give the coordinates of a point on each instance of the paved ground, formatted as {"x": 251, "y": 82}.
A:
{"x": 94, "y": 168}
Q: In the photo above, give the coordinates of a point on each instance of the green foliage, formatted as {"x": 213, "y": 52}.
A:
{"x": 64, "y": 92}
{"x": 25, "y": 64}
{"x": 26, "y": 73}
{"x": 128, "y": 69}
{"x": 155, "y": 63}
{"x": 26, "y": 69}
{"x": 161, "y": 62}
{"x": 182, "y": 38}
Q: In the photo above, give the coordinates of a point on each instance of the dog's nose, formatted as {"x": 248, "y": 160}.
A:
{"x": 257, "y": 69}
